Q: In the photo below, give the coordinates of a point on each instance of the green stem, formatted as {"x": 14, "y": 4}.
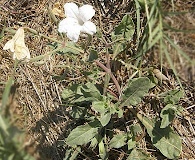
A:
{"x": 38, "y": 58}
{"x": 10, "y": 30}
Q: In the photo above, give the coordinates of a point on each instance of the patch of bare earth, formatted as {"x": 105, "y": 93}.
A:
{"x": 35, "y": 102}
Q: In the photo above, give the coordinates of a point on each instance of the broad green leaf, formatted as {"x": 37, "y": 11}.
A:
{"x": 93, "y": 55}
{"x": 122, "y": 33}
{"x": 120, "y": 113}
{"x": 67, "y": 94}
{"x": 90, "y": 90}
{"x": 168, "y": 113}
{"x": 173, "y": 96}
{"x": 138, "y": 155}
{"x": 165, "y": 139}
{"x": 94, "y": 142}
{"x": 136, "y": 129}
{"x": 118, "y": 140}
{"x": 115, "y": 109}
{"x": 102, "y": 150}
{"x": 78, "y": 112}
{"x": 69, "y": 48}
{"x": 99, "y": 106}
{"x": 125, "y": 29}
{"x": 118, "y": 47}
{"x": 79, "y": 93}
{"x": 131, "y": 144}
{"x": 104, "y": 118}
{"x": 83, "y": 134}
{"x": 105, "y": 110}
{"x": 136, "y": 90}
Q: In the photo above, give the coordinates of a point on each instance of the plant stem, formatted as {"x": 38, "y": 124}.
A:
{"x": 46, "y": 37}
{"x": 107, "y": 70}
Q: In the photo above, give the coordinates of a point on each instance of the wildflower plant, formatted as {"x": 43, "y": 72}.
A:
{"x": 101, "y": 110}
{"x": 98, "y": 111}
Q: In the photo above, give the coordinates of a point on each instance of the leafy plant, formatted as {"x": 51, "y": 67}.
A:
{"x": 165, "y": 139}
{"x": 171, "y": 109}
{"x": 122, "y": 34}
{"x": 99, "y": 112}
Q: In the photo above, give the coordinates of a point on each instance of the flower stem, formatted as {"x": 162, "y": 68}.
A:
{"x": 46, "y": 37}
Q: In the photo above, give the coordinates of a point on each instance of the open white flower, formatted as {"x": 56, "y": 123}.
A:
{"x": 17, "y": 46}
{"x": 77, "y": 20}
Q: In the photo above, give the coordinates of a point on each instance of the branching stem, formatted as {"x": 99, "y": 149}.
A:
{"x": 107, "y": 70}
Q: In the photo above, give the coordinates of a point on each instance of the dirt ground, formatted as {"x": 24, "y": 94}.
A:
{"x": 35, "y": 103}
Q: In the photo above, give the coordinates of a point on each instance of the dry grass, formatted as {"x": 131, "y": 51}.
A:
{"x": 35, "y": 103}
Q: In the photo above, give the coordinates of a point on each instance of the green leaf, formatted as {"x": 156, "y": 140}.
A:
{"x": 99, "y": 106}
{"x": 136, "y": 90}
{"x": 131, "y": 144}
{"x": 118, "y": 48}
{"x": 125, "y": 29}
{"x": 118, "y": 140}
{"x": 136, "y": 129}
{"x": 94, "y": 142}
{"x": 115, "y": 109}
{"x": 69, "y": 48}
{"x": 72, "y": 153}
{"x": 122, "y": 33}
{"x": 80, "y": 93}
{"x": 102, "y": 150}
{"x": 138, "y": 155}
{"x": 83, "y": 134}
{"x": 105, "y": 118}
{"x": 168, "y": 113}
{"x": 78, "y": 112}
{"x": 165, "y": 139}
{"x": 173, "y": 96}
{"x": 6, "y": 92}
{"x": 4, "y": 125}
{"x": 75, "y": 153}
{"x": 93, "y": 55}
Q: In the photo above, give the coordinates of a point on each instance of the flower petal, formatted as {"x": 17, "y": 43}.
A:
{"x": 17, "y": 38}
{"x": 67, "y": 23}
{"x": 71, "y": 10}
{"x": 88, "y": 27}
{"x": 17, "y": 45}
{"x": 21, "y": 52}
{"x": 86, "y": 12}
{"x": 73, "y": 34}
{"x": 71, "y": 27}
{"x": 9, "y": 45}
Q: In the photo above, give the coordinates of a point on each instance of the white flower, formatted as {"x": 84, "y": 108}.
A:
{"x": 77, "y": 20}
{"x": 17, "y": 46}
